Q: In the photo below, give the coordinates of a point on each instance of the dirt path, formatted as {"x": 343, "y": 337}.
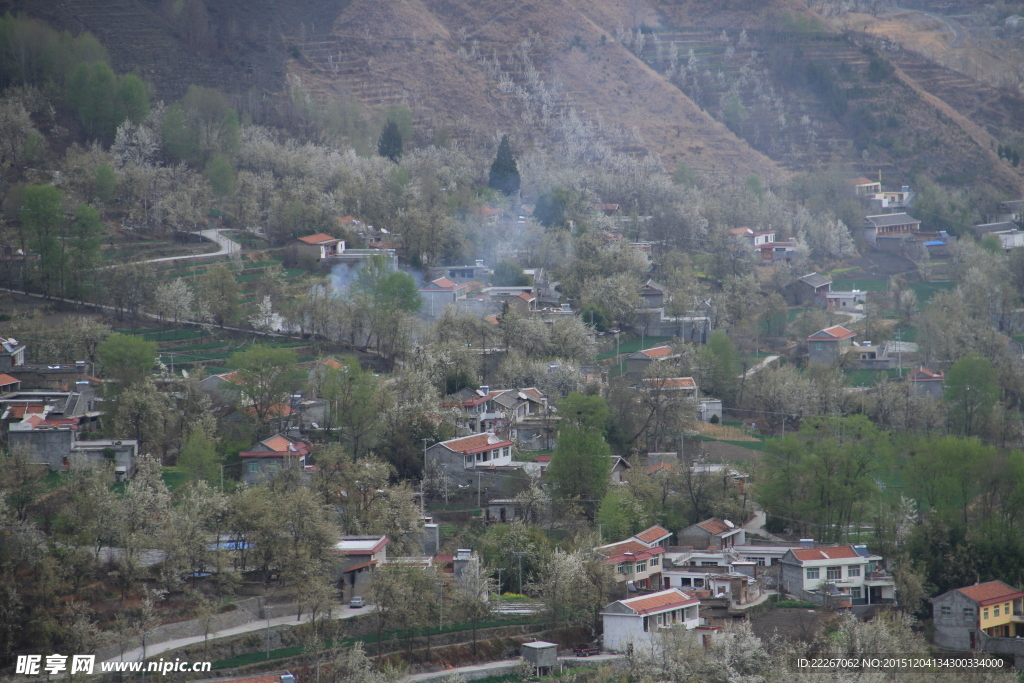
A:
{"x": 227, "y": 246}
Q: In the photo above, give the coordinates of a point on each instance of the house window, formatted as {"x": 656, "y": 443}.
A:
{"x": 984, "y": 613}
{"x": 820, "y": 346}
{"x": 654, "y": 561}
{"x": 995, "y": 611}
{"x": 647, "y": 624}
{"x": 759, "y": 560}
{"x": 626, "y": 568}
{"x": 855, "y": 593}
{"x": 642, "y": 567}
{"x": 1006, "y": 609}
{"x": 969, "y": 613}
{"x": 254, "y": 467}
{"x": 812, "y": 573}
{"x": 660, "y": 618}
{"x": 709, "y": 564}
{"x": 852, "y": 571}
{"x": 834, "y": 573}
{"x": 946, "y": 610}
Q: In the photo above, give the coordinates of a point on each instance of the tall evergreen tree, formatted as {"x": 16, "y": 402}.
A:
{"x": 504, "y": 171}
{"x": 390, "y": 142}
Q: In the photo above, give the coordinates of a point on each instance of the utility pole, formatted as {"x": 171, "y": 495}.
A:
{"x": 499, "y": 589}
{"x": 478, "y": 475}
{"x": 899, "y": 349}
{"x": 519, "y": 554}
{"x": 424, "y": 476}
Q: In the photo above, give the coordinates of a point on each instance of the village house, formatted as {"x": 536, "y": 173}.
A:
{"x": 844, "y": 301}
{"x": 864, "y": 187}
{"x": 358, "y": 557}
{"x": 712, "y": 533}
{"x": 8, "y": 383}
{"x": 828, "y": 345}
{"x": 11, "y": 354}
{"x": 635, "y": 564}
{"x": 966, "y": 617}
{"x": 477, "y": 272}
{"x": 807, "y": 289}
{"x": 753, "y": 238}
{"x": 271, "y": 455}
{"x": 635, "y": 621}
{"x": 773, "y": 252}
{"x": 891, "y": 199}
{"x": 1006, "y": 232}
{"x": 324, "y": 250}
{"x": 223, "y": 388}
{"x": 619, "y": 467}
{"x": 441, "y": 293}
{"x": 889, "y": 225}
{"x": 652, "y": 294}
{"x": 638, "y": 362}
{"x": 48, "y": 376}
{"x": 925, "y": 381}
{"x": 517, "y": 414}
{"x": 844, "y": 573}
{"x": 455, "y": 456}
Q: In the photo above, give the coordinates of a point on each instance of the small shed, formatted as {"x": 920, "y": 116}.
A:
{"x": 541, "y": 655}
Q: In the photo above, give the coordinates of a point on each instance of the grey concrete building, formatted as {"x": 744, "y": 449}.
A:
{"x": 965, "y": 618}
{"x": 828, "y": 345}
{"x": 712, "y": 533}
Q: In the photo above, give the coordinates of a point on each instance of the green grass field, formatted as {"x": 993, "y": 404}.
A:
{"x": 926, "y": 290}
{"x": 863, "y": 285}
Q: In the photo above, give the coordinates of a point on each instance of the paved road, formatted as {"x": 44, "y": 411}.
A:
{"x": 756, "y": 525}
{"x": 153, "y": 649}
{"x": 227, "y": 246}
{"x": 499, "y": 667}
{"x": 959, "y": 33}
{"x": 763, "y": 364}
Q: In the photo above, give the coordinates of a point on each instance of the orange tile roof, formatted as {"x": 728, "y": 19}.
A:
{"x": 922, "y": 374}
{"x": 18, "y": 411}
{"x": 835, "y": 332}
{"x": 861, "y": 181}
{"x": 841, "y": 553}
{"x": 715, "y": 526}
{"x": 658, "y": 352}
{"x": 7, "y": 379}
{"x": 660, "y": 466}
{"x": 990, "y": 592}
{"x": 316, "y": 239}
{"x": 332, "y": 363}
{"x": 467, "y": 443}
{"x": 277, "y": 443}
{"x": 654, "y": 534}
{"x": 741, "y": 231}
{"x": 621, "y": 547}
{"x": 492, "y": 319}
{"x": 660, "y": 602}
{"x": 232, "y": 377}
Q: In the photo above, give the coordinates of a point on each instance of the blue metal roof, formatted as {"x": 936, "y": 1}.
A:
{"x": 934, "y": 243}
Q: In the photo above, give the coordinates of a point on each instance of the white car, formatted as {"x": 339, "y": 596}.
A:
{"x": 356, "y": 603}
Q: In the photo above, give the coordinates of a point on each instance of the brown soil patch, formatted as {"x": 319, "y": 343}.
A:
{"x": 724, "y": 432}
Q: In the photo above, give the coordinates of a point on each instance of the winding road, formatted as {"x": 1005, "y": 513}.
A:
{"x": 227, "y": 246}
{"x": 959, "y": 33}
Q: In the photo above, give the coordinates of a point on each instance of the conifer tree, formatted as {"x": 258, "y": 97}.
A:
{"x": 390, "y": 142}
{"x": 504, "y": 171}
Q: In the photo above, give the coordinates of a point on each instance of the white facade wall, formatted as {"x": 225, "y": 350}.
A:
{"x": 623, "y": 630}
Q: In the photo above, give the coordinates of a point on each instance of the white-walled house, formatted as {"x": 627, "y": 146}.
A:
{"x": 843, "y": 572}
{"x": 636, "y": 621}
